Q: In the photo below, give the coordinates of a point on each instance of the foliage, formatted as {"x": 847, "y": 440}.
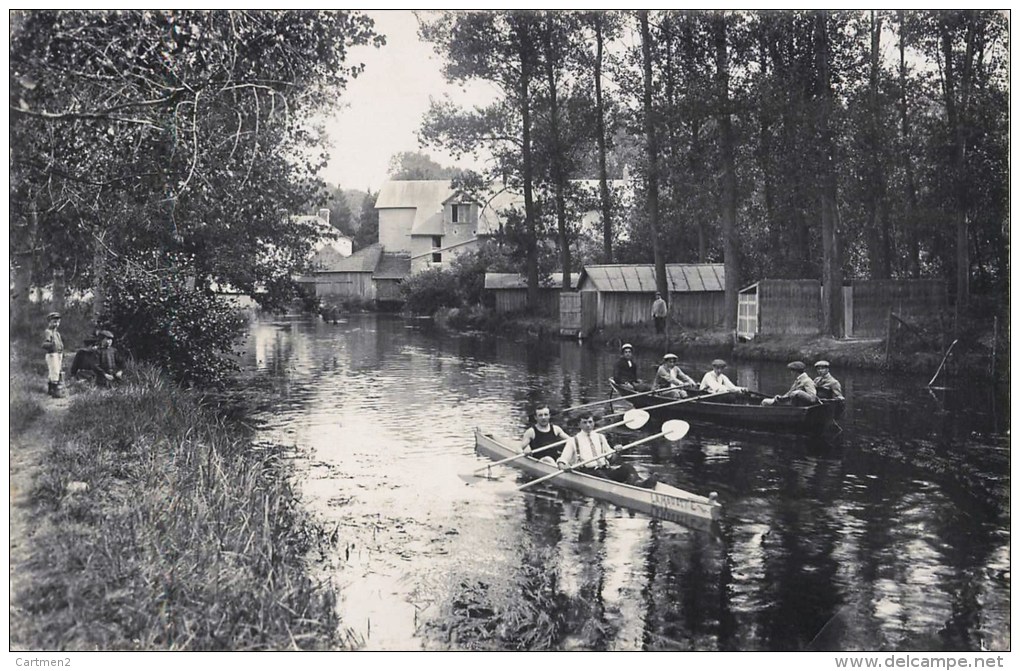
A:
{"x": 412, "y": 165}
{"x": 368, "y": 223}
{"x": 189, "y": 537}
{"x": 135, "y": 131}
{"x": 429, "y": 290}
{"x": 158, "y": 318}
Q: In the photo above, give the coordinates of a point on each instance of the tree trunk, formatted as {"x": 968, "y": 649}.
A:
{"x": 600, "y": 114}
{"x": 59, "y": 290}
{"x": 652, "y": 158}
{"x": 878, "y": 228}
{"x": 910, "y": 214}
{"x": 832, "y": 271}
{"x": 728, "y": 209}
{"x": 559, "y": 180}
{"x": 531, "y": 243}
{"x": 25, "y": 269}
{"x": 98, "y": 278}
{"x": 696, "y": 164}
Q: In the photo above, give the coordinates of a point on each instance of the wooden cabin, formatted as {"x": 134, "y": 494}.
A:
{"x": 625, "y": 293}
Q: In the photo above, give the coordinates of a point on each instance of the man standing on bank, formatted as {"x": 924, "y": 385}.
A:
{"x": 53, "y": 345}
{"x": 659, "y": 312}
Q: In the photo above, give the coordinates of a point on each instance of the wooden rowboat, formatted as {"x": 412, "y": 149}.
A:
{"x": 742, "y": 410}
{"x": 663, "y": 502}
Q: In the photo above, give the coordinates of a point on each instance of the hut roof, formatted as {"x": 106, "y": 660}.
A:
{"x": 393, "y": 267}
{"x": 362, "y": 261}
{"x": 516, "y": 281}
{"x": 640, "y": 278}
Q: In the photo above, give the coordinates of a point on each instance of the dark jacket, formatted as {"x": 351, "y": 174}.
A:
{"x": 86, "y": 363}
{"x": 110, "y": 360}
{"x": 625, "y": 370}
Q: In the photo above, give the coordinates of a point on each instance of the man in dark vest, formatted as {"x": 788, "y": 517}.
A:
{"x": 625, "y": 371}
{"x": 86, "y": 362}
{"x": 542, "y": 433}
{"x": 111, "y": 363}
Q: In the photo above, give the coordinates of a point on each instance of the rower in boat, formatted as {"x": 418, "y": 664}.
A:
{"x": 716, "y": 381}
{"x": 801, "y": 393}
{"x": 671, "y": 381}
{"x": 542, "y": 433}
{"x": 828, "y": 387}
{"x": 588, "y": 445}
{"x": 625, "y": 371}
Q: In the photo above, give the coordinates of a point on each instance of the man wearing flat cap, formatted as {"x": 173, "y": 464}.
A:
{"x": 672, "y": 381}
{"x": 715, "y": 380}
{"x": 802, "y": 392}
{"x": 625, "y": 371}
{"x": 828, "y": 387}
{"x": 53, "y": 345}
{"x": 111, "y": 363}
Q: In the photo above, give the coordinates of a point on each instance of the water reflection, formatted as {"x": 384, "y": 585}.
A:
{"x": 895, "y": 538}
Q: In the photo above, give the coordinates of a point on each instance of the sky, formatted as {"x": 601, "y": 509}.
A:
{"x": 386, "y": 103}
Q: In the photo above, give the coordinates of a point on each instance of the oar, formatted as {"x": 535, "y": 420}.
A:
{"x": 608, "y": 400}
{"x": 674, "y": 429}
{"x": 634, "y": 418}
{"x": 684, "y": 400}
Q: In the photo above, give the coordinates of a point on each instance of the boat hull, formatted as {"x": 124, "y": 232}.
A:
{"x": 812, "y": 419}
{"x": 663, "y": 502}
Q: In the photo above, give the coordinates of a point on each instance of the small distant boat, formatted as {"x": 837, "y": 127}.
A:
{"x": 741, "y": 410}
{"x": 663, "y": 502}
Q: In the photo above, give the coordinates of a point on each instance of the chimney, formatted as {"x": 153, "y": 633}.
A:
{"x": 324, "y": 214}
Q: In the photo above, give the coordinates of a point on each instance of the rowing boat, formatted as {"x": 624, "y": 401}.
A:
{"x": 663, "y": 502}
{"x": 740, "y": 410}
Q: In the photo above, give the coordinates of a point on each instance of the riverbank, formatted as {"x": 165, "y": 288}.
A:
{"x": 973, "y": 356}
{"x": 141, "y": 519}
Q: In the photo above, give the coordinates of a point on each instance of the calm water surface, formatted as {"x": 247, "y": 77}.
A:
{"x": 893, "y": 537}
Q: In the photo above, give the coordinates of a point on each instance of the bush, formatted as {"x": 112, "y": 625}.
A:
{"x": 188, "y": 333}
{"x": 428, "y": 291}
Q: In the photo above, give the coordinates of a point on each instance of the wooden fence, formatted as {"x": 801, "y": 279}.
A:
{"x": 789, "y": 306}
{"x": 873, "y": 299}
{"x": 508, "y": 301}
{"x": 578, "y": 313}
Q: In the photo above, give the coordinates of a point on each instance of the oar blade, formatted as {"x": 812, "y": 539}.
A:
{"x": 635, "y": 418}
{"x": 675, "y": 429}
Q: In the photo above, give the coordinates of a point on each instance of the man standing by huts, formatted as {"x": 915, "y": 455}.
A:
{"x": 659, "y": 312}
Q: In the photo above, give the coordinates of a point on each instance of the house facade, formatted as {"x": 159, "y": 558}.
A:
{"x": 434, "y": 223}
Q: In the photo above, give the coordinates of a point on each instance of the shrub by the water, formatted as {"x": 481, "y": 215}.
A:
{"x": 188, "y": 333}
{"x": 430, "y": 290}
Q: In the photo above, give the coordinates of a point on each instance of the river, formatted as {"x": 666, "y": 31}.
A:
{"x": 894, "y": 536}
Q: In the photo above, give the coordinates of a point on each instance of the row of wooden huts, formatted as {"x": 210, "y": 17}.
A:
{"x": 621, "y": 295}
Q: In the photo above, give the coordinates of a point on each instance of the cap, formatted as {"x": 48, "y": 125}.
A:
{"x": 669, "y": 356}
{"x": 104, "y": 334}
{"x": 822, "y": 364}
{"x": 719, "y": 362}
{"x": 796, "y": 365}
{"x": 53, "y": 315}
{"x": 626, "y": 346}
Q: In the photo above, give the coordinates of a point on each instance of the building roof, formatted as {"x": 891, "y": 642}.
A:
{"x": 362, "y": 261}
{"x": 427, "y": 198}
{"x": 640, "y": 278}
{"x": 393, "y": 267}
{"x": 517, "y": 281}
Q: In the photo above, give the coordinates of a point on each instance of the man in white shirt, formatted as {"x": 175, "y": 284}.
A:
{"x": 588, "y": 444}
{"x": 716, "y": 381}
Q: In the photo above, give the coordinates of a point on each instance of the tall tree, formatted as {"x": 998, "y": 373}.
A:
{"x": 651, "y": 155}
{"x": 368, "y": 223}
{"x": 728, "y": 201}
{"x": 174, "y": 137}
{"x": 832, "y": 269}
{"x": 501, "y": 48}
{"x": 910, "y": 223}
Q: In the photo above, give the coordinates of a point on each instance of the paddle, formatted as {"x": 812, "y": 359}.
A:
{"x": 634, "y": 418}
{"x": 674, "y": 429}
{"x": 608, "y": 400}
{"x": 684, "y": 400}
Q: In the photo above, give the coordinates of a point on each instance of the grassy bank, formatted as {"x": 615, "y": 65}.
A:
{"x": 156, "y": 524}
